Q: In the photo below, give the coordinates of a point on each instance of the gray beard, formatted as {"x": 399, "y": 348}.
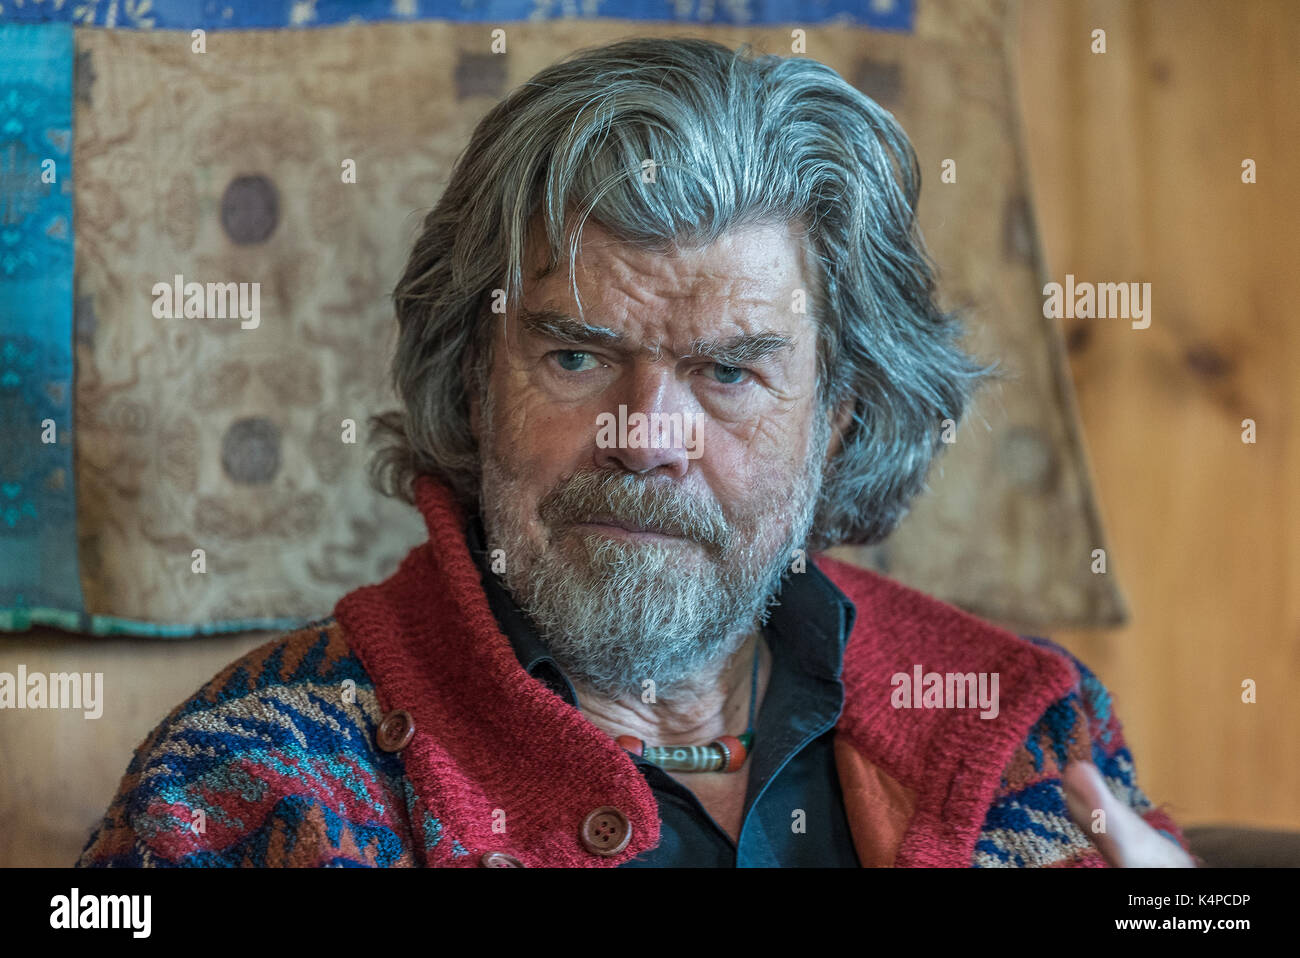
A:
{"x": 615, "y": 614}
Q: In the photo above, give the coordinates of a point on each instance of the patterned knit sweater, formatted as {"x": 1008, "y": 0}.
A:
{"x": 275, "y": 761}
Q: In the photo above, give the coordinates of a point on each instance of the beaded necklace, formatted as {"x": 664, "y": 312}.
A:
{"x": 726, "y": 753}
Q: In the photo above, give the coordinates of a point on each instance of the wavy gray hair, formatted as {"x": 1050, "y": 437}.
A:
{"x": 737, "y": 139}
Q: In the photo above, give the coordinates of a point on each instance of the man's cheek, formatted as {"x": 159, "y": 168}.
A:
{"x": 540, "y": 427}
{"x": 742, "y": 482}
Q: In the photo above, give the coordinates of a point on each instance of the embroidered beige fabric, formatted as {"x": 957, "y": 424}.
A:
{"x": 226, "y": 167}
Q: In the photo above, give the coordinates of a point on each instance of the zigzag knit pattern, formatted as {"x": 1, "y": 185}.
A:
{"x": 1029, "y": 823}
{"x": 273, "y": 764}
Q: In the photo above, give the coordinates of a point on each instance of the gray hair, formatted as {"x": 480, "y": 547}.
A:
{"x": 737, "y": 140}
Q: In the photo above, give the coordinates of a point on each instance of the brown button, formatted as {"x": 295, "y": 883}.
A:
{"x": 395, "y": 731}
{"x": 606, "y": 831}
{"x": 499, "y": 860}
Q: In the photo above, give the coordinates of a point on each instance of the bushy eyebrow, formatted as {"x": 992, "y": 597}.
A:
{"x": 742, "y": 350}
{"x": 732, "y": 351}
{"x": 566, "y": 329}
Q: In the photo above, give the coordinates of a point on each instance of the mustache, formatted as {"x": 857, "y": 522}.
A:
{"x": 656, "y": 505}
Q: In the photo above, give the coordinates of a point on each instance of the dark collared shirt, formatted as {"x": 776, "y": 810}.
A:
{"x": 794, "y": 811}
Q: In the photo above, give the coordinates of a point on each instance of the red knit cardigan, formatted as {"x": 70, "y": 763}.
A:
{"x": 918, "y": 783}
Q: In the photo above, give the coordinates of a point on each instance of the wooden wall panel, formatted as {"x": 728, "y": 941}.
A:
{"x": 59, "y": 769}
{"x": 1136, "y": 160}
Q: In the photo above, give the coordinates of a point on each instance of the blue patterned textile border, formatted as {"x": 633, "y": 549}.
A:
{"x": 244, "y": 14}
{"x": 38, "y": 516}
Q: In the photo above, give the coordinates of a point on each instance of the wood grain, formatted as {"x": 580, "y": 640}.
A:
{"x": 1136, "y": 159}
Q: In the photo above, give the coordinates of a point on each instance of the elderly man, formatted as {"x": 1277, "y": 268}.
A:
{"x": 669, "y": 334}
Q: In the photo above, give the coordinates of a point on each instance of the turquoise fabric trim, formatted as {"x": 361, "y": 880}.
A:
{"x": 38, "y": 516}
{"x": 111, "y": 625}
{"x": 19, "y": 620}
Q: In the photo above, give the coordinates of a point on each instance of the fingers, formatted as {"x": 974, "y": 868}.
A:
{"x": 1120, "y": 833}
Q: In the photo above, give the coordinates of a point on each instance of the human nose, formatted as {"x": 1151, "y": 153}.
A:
{"x": 646, "y": 432}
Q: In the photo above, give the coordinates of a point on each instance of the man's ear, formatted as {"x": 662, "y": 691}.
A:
{"x": 843, "y": 417}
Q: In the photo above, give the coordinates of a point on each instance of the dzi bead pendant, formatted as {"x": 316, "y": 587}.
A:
{"x": 725, "y": 754}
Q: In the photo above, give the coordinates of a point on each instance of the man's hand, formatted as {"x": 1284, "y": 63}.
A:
{"x": 1126, "y": 841}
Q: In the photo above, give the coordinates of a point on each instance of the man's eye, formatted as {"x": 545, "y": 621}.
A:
{"x": 572, "y": 360}
{"x": 728, "y": 375}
